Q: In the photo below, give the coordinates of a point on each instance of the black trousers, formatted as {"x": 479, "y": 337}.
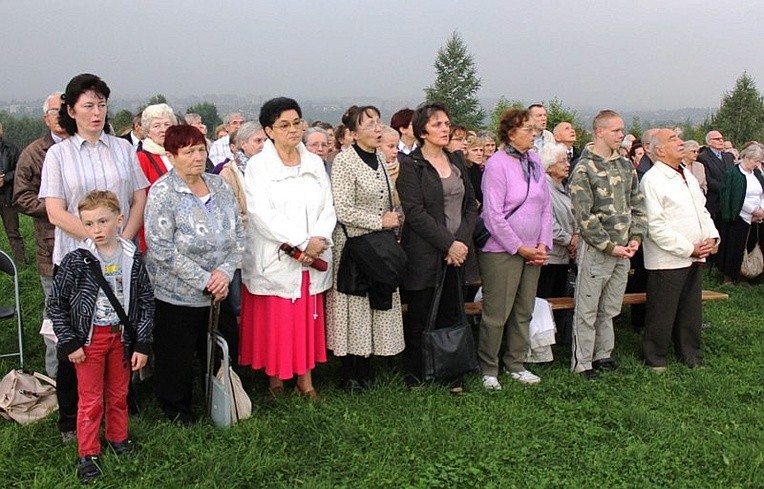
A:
{"x": 553, "y": 280}
{"x": 674, "y": 311}
{"x": 66, "y": 393}
{"x": 730, "y": 255}
{"x": 180, "y": 338}
{"x": 414, "y": 322}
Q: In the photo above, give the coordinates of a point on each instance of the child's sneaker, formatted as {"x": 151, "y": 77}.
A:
{"x": 126, "y": 447}
{"x": 88, "y": 468}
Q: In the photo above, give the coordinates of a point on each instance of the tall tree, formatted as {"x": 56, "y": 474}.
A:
{"x": 557, "y": 112}
{"x": 456, "y": 83}
{"x": 741, "y": 114}
{"x": 209, "y": 113}
{"x": 158, "y": 99}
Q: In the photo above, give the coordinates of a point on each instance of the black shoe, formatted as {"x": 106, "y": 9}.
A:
{"x": 590, "y": 374}
{"x": 88, "y": 468}
{"x": 126, "y": 447}
{"x": 352, "y": 385}
{"x": 606, "y": 364}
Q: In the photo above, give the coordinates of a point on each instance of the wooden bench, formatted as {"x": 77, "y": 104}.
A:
{"x": 562, "y": 303}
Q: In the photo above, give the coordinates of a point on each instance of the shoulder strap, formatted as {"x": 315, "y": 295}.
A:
{"x": 153, "y": 162}
{"x": 44, "y": 378}
{"x": 95, "y": 269}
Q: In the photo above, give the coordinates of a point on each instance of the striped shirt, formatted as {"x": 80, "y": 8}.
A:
{"x": 74, "y": 167}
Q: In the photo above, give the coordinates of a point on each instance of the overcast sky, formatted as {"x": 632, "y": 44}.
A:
{"x": 626, "y": 55}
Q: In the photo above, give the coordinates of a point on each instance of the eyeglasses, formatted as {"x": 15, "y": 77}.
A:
{"x": 52, "y": 111}
{"x": 298, "y": 124}
{"x": 370, "y": 126}
{"x": 716, "y": 139}
{"x": 318, "y": 145}
{"x": 527, "y": 128}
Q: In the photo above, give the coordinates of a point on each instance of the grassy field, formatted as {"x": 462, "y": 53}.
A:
{"x": 632, "y": 428}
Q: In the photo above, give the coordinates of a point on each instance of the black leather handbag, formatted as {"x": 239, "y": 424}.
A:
{"x": 447, "y": 352}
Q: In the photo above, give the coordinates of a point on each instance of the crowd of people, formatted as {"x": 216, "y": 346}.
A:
{"x": 164, "y": 222}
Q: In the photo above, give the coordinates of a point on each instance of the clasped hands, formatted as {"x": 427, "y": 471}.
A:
{"x": 537, "y": 256}
{"x": 626, "y": 251}
{"x": 316, "y": 246}
{"x": 702, "y": 249}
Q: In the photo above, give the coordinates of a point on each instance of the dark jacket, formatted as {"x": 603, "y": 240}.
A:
{"x": 644, "y": 164}
{"x": 26, "y": 187}
{"x": 425, "y": 236}
{"x": 9, "y": 156}
{"x": 733, "y": 192}
{"x": 71, "y": 305}
{"x": 715, "y": 171}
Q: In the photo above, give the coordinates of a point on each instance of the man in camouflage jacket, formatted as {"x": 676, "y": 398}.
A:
{"x": 610, "y": 212}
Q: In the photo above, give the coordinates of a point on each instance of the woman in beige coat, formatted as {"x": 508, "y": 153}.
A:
{"x": 362, "y": 193}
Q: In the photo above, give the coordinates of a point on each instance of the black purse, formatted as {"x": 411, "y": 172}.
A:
{"x": 447, "y": 352}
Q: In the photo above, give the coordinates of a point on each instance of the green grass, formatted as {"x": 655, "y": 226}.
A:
{"x": 632, "y": 428}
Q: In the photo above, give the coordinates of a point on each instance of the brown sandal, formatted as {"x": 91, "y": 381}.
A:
{"x": 277, "y": 392}
{"x": 310, "y": 394}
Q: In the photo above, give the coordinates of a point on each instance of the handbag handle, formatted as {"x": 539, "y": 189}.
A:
{"x": 432, "y": 316}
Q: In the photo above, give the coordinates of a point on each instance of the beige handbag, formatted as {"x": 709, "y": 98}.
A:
{"x": 753, "y": 261}
{"x": 24, "y": 399}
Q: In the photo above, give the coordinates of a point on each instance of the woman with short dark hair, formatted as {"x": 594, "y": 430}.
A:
{"x": 287, "y": 262}
{"x": 440, "y": 208}
{"x": 195, "y": 240}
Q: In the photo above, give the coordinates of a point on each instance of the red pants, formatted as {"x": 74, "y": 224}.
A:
{"x": 104, "y": 372}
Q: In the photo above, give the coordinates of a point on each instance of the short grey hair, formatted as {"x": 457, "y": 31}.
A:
{"x": 708, "y": 135}
{"x": 192, "y": 118}
{"x": 156, "y": 111}
{"x": 753, "y": 152}
{"x": 650, "y": 140}
{"x": 313, "y": 130}
{"x": 551, "y": 152}
{"x": 246, "y": 131}
{"x": 690, "y": 145}
{"x": 229, "y": 117}
{"x": 46, "y": 104}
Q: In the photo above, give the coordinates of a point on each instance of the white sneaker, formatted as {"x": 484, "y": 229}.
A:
{"x": 525, "y": 377}
{"x": 491, "y": 383}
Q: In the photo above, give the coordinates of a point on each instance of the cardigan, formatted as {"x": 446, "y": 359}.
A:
{"x": 733, "y": 192}
{"x": 72, "y": 301}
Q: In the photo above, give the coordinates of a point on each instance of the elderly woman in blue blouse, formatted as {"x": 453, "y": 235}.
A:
{"x": 195, "y": 241}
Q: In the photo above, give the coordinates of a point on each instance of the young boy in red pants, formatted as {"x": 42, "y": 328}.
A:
{"x": 91, "y": 330}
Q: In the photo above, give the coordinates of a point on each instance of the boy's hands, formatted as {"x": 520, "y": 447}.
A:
{"x": 77, "y": 356}
{"x": 138, "y": 361}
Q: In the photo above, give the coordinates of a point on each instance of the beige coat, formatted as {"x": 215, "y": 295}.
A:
{"x": 361, "y": 198}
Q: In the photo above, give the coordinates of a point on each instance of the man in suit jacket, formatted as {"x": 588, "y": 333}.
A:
{"x": 564, "y": 133}
{"x": 716, "y": 162}
{"x": 136, "y": 135}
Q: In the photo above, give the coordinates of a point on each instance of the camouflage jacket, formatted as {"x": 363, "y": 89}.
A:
{"x": 607, "y": 203}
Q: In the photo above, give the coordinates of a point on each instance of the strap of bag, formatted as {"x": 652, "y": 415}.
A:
{"x": 153, "y": 162}
{"x": 527, "y": 192}
{"x": 44, "y": 378}
{"x": 95, "y": 269}
{"x": 435, "y": 305}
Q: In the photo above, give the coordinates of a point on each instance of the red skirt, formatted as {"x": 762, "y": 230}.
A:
{"x": 283, "y": 337}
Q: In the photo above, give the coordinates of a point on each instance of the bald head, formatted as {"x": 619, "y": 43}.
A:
{"x": 565, "y": 133}
{"x": 667, "y": 147}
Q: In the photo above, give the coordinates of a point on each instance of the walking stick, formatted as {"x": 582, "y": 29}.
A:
{"x": 212, "y": 327}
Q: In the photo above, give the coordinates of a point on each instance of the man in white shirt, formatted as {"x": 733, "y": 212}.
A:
{"x": 681, "y": 235}
{"x": 220, "y": 149}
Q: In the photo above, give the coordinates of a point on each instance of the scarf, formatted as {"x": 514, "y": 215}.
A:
{"x": 526, "y": 163}
{"x": 153, "y": 148}
{"x": 241, "y": 161}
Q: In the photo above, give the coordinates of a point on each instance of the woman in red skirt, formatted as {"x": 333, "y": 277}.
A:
{"x": 289, "y": 202}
